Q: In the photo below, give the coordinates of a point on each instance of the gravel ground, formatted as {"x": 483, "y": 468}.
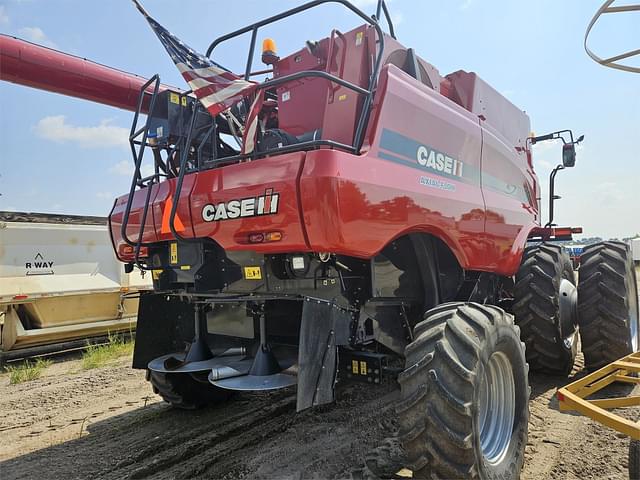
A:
{"x": 106, "y": 423}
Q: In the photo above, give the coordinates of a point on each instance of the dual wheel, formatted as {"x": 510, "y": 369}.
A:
{"x": 464, "y": 392}
{"x": 551, "y": 311}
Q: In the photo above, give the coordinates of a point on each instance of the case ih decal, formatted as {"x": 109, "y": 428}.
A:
{"x": 266, "y": 204}
{"x": 438, "y": 161}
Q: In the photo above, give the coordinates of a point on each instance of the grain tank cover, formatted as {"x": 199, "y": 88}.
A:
{"x": 480, "y": 98}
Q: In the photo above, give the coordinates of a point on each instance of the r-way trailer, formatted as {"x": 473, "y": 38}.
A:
{"x": 60, "y": 284}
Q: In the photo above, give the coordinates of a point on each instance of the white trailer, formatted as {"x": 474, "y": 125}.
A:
{"x": 635, "y": 250}
{"x": 61, "y": 282}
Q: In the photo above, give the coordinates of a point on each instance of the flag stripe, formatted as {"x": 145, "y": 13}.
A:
{"x": 214, "y": 86}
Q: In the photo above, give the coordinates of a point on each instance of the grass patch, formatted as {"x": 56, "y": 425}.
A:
{"x": 100, "y": 355}
{"x": 27, "y": 371}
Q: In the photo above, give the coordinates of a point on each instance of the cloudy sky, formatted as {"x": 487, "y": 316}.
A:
{"x": 65, "y": 155}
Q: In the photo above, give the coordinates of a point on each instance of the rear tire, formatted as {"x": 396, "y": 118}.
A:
{"x": 634, "y": 460}
{"x": 187, "y": 391}
{"x": 545, "y": 309}
{"x": 607, "y": 304}
{"x": 451, "y": 424}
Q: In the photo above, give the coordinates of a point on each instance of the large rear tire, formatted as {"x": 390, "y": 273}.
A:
{"x": 187, "y": 391}
{"x": 545, "y": 309}
{"x": 634, "y": 459}
{"x": 464, "y": 408}
{"x": 607, "y": 303}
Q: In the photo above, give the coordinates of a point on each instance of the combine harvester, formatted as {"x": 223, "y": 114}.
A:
{"x": 375, "y": 221}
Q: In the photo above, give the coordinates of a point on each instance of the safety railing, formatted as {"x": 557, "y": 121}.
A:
{"x": 368, "y": 92}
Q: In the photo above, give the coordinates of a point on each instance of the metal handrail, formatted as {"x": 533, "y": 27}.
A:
{"x": 253, "y": 28}
{"x": 137, "y": 163}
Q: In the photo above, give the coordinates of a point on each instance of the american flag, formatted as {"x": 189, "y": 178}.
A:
{"x": 215, "y": 87}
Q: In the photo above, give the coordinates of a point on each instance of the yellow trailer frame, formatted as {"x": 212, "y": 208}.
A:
{"x": 574, "y": 396}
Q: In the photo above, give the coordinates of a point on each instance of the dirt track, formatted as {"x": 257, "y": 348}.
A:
{"x": 105, "y": 423}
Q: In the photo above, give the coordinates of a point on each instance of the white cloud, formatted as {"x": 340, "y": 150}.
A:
{"x": 125, "y": 168}
{"x": 466, "y": 4}
{"x": 105, "y": 195}
{"x": 36, "y": 35}
{"x": 122, "y": 168}
{"x": 57, "y": 129}
{"x": 4, "y": 18}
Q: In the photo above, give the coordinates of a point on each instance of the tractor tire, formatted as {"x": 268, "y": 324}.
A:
{"x": 186, "y": 391}
{"x": 634, "y": 459}
{"x": 545, "y": 308}
{"x": 607, "y": 303}
{"x": 451, "y": 424}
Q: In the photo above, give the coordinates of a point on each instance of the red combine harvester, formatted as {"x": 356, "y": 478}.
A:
{"x": 385, "y": 225}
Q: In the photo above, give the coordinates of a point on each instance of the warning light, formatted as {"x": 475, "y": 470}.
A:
{"x": 273, "y": 236}
{"x": 128, "y": 251}
{"x": 265, "y": 237}
{"x": 269, "y": 55}
{"x": 256, "y": 238}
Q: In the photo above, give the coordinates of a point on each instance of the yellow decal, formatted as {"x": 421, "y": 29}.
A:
{"x": 354, "y": 367}
{"x": 363, "y": 368}
{"x": 359, "y": 36}
{"x": 184, "y": 101}
{"x": 252, "y": 273}
{"x": 342, "y": 97}
{"x": 174, "y": 98}
{"x": 173, "y": 250}
{"x": 156, "y": 274}
{"x": 185, "y": 267}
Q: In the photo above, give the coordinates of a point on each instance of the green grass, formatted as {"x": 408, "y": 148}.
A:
{"x": 27, "y": 371}
{"x": 100, "y": 355}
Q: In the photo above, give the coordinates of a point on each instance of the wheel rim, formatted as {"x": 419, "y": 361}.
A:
{"x": 497, "y": 406}
{"x": 568, "y": 310}
{"x": 633, "y": 310}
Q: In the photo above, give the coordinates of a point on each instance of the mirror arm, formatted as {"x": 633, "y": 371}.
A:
{"x": 552, "y": 194}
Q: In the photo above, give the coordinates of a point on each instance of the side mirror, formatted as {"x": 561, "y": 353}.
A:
{"x": 569, "y": 155}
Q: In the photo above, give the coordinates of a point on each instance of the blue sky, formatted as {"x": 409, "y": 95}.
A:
{"x": 65, "y": 155}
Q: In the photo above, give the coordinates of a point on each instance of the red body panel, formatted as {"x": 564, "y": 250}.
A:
{"x": 445, "y": 156}
{"x": 47, "y": 69}
{"x": 355, "y": 205}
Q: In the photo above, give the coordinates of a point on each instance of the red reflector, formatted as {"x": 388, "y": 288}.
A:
{"x": 256, "y": 238}
{"x": 560, "y": 232}
{"x": 576, "y": 230}
{"x": 20, "y": 297}
{"x": 560, "y": 396}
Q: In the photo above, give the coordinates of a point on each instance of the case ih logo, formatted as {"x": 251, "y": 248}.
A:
{"x": 438, "y": 161}
{"x": 266, "y": 204}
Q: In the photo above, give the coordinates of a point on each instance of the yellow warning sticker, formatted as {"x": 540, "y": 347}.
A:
{"x": 354, "y": 367}
{"x": 359, "y": 36}
{"x": 185, "y": 267}
{"x": 156, "y": 274}
{"x": 174, "y": 98}
{"x": 342, "y": 97}
{"x": 252, "y": 273}
{"x": 363, "y": 368}
{"x": 184, "y": 101}
{"x": 173, "y": 253}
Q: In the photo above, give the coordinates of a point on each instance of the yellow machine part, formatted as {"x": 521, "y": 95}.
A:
{"x": 57, "y": 319}
{"x": 575, "y": 395}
